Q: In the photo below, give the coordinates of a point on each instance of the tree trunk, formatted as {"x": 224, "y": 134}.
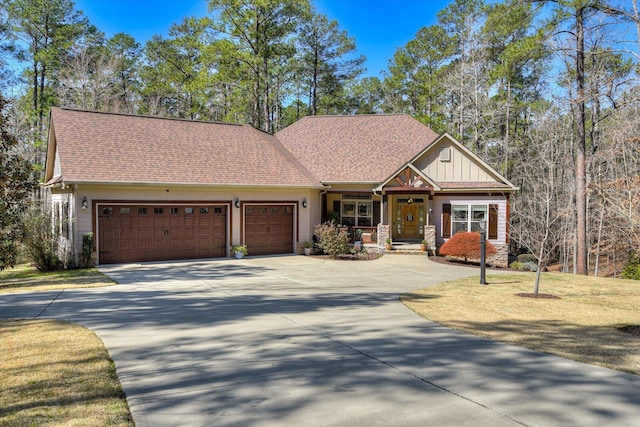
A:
{"x": 581, "y": 195}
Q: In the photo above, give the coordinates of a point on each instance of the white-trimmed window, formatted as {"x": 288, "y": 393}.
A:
{"x": 468, "y": 217}
{"x": 357, "y": 210}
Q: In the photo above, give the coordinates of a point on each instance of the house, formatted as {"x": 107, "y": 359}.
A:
{"x": 154, "y": 188}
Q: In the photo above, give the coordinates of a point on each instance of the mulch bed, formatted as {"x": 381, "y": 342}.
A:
{"x": 541, "y": 296}
{"x": 631, "y": 330}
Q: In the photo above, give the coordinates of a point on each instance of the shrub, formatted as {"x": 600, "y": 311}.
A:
{"x": 466, "y": 245}
{"x": 40, "y": 242}
{"x": 524, "y": 266}
{"x": 632, "y": 269}
{"x": 332, "y": 239}
{"x": 515, "y": 265}
{"x": 527, "y": 258}
{"x": 86, "y": 257}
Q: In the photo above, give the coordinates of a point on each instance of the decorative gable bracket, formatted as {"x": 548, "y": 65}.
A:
{"x": 408, "y": 179}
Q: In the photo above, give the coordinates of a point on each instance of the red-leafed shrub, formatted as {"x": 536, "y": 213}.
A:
{"x": 466, "y": 245}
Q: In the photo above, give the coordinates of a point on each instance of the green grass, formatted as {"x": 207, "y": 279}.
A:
{"x": 57, "y": 374}
{"x": 26, "y": 278}
{"x": 582, "y": 324}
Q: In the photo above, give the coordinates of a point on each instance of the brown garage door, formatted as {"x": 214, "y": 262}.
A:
{"x": 268, "y": 229}
{"x": 130, "y": 233}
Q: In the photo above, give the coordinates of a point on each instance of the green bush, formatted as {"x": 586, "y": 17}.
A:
{"x": 332, "y": 239}
{"x": 527, "y": 258}
{"x": 524, "y": 266}
{"x": 632, "y": 269}
{"x": 86, "y": 258}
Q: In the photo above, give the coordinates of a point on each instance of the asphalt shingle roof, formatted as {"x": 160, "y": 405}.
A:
{"x": 360, "y": 148}
{"x": 105, "y": 147}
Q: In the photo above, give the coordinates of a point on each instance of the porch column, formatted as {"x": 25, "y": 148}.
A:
{"x": 384, "y": 219}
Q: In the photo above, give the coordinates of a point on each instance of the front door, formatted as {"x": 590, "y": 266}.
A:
{"x": 410, "y": 222}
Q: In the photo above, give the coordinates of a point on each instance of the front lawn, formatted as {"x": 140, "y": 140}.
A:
{"x": 26, "y": 278}
{"x": 57, "y": 373}
{"x": 582, "y": 324}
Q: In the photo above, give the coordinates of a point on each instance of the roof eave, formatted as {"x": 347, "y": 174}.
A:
{"x": 478, "y": 190}
{"x": 192, "y": 184}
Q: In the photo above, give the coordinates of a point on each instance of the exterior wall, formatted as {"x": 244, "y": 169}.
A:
{"x": 335, "y": 194}
{"x": 497, "y": 199}
{"x": 306, "y": 217}
{"x": 460, "y": 167}
{"x": 63, "y": 215}
{"x": 501, "y": 243}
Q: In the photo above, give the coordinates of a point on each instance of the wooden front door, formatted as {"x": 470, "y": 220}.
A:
{"x": 410, "y": 222}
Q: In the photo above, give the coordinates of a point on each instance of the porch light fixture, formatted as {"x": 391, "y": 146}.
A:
{"x": 304, "y": 203}
{"x": 410, "y": 200}
{"x": 237, "y": 203}
{"x": 85, "y": 205}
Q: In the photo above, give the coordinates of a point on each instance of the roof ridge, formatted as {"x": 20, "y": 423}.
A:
{"x": 144, "y": 116}
{"x": 353, "y": 115}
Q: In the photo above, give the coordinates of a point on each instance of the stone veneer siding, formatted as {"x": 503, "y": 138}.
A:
{"x": 384, "y": 232}
{"x": 430, "y": 237}
{"x": 500, "y": 259}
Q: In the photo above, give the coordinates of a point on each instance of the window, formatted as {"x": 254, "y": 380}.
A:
{"x": 357, "y": 210}
{"x": 158, "y": 210}
{"x": 125, "y": 211}
{"x": 142, "y": 211}
{"x": 174, "y": 211}
{"x": 204, "y": 210}
{"x": 188, "y": 211}
{"x": 468, "y": 217}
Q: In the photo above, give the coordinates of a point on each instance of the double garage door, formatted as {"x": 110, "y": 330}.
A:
{"x": 130, "y": 233}
{"x": 145, "y": 232}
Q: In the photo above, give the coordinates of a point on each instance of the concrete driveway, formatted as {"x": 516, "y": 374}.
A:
{"x": 300, "y": 341}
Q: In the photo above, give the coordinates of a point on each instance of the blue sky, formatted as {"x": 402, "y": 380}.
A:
{"x": 379, "y": 26}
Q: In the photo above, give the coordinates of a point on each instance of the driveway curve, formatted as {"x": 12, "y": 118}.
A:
{"x": 295, "y": 340}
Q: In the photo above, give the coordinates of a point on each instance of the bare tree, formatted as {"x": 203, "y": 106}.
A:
{"x": 540, "y": 210}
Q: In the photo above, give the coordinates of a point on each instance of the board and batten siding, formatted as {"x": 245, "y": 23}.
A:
{"x": 459, "y": 168}
{"x": 499, "y": 200}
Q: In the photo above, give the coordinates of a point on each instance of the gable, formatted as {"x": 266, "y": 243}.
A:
{"x": 451, "y": 165}
{"x": 408, "y": 179}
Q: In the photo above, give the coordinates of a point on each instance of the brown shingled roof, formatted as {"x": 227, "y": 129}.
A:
{"x": 102, "y": 147}
{"x": 361, "y": 148}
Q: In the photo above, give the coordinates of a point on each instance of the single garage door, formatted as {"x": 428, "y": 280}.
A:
{"x": 138, "y": 232}
{"x": 268, "y": 229}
